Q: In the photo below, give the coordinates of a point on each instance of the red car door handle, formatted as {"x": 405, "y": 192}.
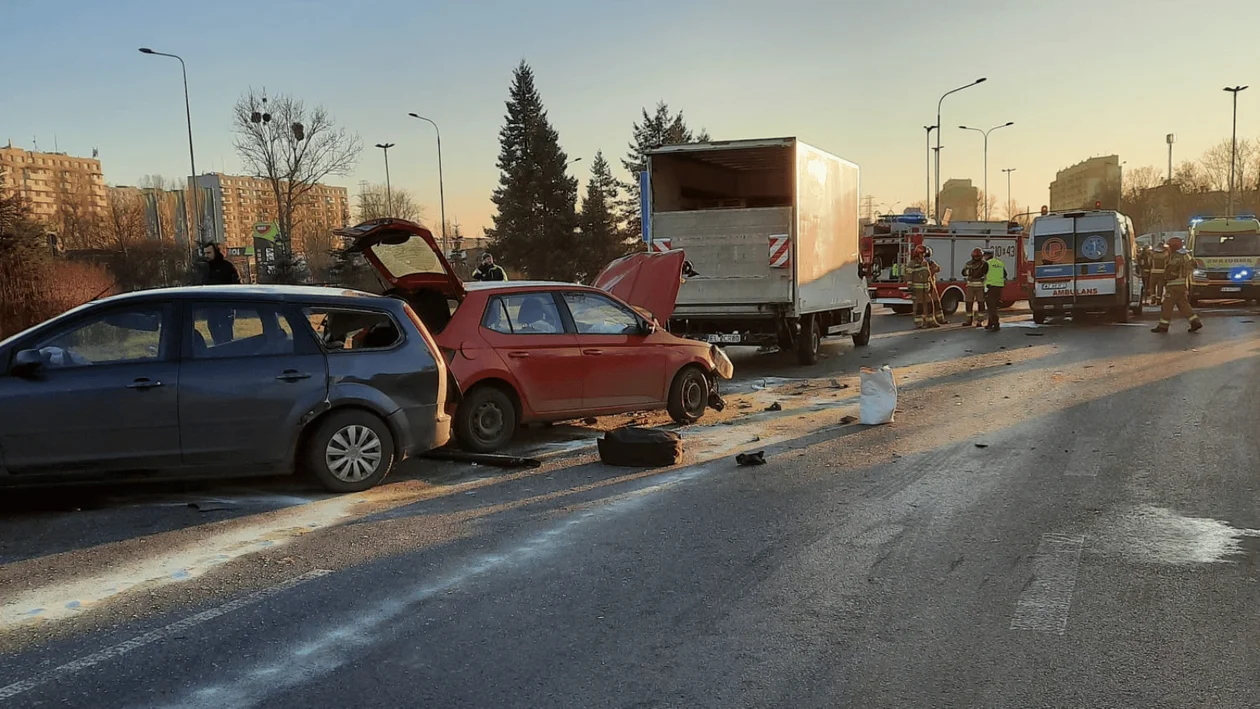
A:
{"x": 592, "y": 352}
{"x": 518, "y": 355}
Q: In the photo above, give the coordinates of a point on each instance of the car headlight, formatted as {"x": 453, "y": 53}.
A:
{"x": 1199, "y": 274}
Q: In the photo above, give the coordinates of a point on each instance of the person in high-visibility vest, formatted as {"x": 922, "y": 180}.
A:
{"x": 1177, "y": 288}
{"x": 1159, "y": 261}
{"x": 974, "y": 271}
{"x": 994, "y": 281}
{"x": 938, "y": 312}
{"x": 920, "y": 275}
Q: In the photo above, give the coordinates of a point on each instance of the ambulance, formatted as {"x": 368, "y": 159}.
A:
{"x": 1226, "y": 252}
{"x": 1084, "y": 261}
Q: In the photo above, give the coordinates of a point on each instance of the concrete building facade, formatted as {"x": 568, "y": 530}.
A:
{"x": 50, "y": 181}
{"x": 232, "y": 204}
{"x": 961, "y": 198}
{"x": 1086, "y": 183}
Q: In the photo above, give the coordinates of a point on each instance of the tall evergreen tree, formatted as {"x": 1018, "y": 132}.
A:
{"x": 658, "y": 129}
{"x": 602, "y": 236}
{"x": 535, "y": 224}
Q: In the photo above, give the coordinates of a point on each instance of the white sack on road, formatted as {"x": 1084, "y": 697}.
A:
{"x": 879, "y": 396}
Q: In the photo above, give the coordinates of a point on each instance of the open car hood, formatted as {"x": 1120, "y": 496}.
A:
{"x": 405, "y": 254}
{"x": 645, "y": 280}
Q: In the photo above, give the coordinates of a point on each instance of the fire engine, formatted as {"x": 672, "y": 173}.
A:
{"x": 886, "y": 244}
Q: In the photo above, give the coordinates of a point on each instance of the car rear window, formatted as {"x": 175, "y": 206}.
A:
{"x": 344, "y": 329}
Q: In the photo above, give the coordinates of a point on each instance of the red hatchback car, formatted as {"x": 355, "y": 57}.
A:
{"x": 531, "y": 351}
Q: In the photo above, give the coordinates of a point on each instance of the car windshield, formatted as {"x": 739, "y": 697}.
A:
{"x": 1227, "y": 245}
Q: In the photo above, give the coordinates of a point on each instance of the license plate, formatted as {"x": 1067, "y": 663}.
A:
{"x": 1231, "y": 289}
{"x": 726, "y": 339}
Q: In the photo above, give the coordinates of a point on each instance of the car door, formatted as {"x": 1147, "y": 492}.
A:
{"x": 540, "y": 352}
{"x": 622, "y": 367}
{"x": 249, "y": 374}
{"x": 103, "y": 400}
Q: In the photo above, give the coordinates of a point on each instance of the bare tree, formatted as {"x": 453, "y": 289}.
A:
{"x": 1215, "y": 164}
{"x": 77, "y": 222}
{"x": 984, "y": 200}
{"x": 294, "y": 148}
{"x": 373, "y": 203}
{"x": 125, "y": 222}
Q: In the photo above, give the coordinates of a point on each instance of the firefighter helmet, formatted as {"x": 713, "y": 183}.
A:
{"x": 918, "y": 250}
{"x": 976, "y": 253}
{"x": 1174, "y": 244}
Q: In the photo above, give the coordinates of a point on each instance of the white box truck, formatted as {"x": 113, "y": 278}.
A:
{"x": 770, "y": 230}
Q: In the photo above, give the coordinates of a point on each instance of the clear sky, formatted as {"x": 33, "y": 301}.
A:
{"x": 1080, "y": 78}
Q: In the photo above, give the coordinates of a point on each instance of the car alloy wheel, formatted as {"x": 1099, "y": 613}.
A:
{"x": 353, "y": 453}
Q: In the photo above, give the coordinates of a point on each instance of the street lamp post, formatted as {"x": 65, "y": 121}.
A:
{"x": 198, "y": 220}
{"x": 927, "y": 205}
{"x": 981, "y": 80}
{"x": 1009, "y": 209}
{"x": 986, "y": 133}
{"x": 441, "y": 181}
{"x": 1233, "y": 150}
{"x": 389, "y": 194}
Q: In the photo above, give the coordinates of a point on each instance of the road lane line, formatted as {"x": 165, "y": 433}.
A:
{"x": 1045, "y": 602}
{"x": 153, "y": 636}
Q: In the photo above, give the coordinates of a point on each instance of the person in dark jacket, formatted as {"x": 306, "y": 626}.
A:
{"x": 489, "y": 270}
{"x": 219, "y": 271}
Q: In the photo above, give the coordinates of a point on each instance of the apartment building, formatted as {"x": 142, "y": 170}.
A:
{"x": 1087, "y": 183}
{"x": 232, "y": 204}
{"x": 50, "y": 181}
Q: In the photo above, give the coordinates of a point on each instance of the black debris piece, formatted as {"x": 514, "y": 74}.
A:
{"x": 499, "y": 461}
{"x": 758, "y": 458}
{"x": 776, "y": 406}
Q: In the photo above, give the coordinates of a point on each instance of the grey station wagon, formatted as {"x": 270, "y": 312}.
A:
{"x": 222, "y": 381}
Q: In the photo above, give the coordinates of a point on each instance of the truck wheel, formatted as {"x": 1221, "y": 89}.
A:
{"x": 949, "y": 302}
{"x": 902, "y": 309}
{"x": 688, "y": 396}
{"x": 862, "y": 337}
{"x": 809, "y": 341}
{"x": 1039, "y": 316}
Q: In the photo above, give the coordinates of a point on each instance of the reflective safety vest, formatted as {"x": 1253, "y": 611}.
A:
{"x": 920, "y": 275}
{"x": 1179, "y": 268}
{"x": 996, "y": 277}
{"x": 975, "y": 272}
{"x": 1158, "y": 261}
{"x": 897, "y": 268}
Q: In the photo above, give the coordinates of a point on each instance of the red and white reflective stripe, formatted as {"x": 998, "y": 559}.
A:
{"x": 780, "y": 250}
{"x": 660, "y": 246}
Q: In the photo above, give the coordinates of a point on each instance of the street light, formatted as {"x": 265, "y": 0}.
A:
{"x": 981, "y": 80}
{"x": 986, "y": 133}
{"x": 201, "y": 229}
{"x": 567, "y": 164}
{"x": 927, "y": 205}
{"x": 389, "y": 195}
{"x": 441, "y": 182}
{"x": 1233, "y": 150}
{"x": 1009, "y": 208}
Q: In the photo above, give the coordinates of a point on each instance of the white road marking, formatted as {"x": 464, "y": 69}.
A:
{"x": 152, "y": 636}
{"x": 1044, "y": 604}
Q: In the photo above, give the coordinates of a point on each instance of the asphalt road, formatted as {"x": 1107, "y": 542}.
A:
{"x": 1063, "y": 516}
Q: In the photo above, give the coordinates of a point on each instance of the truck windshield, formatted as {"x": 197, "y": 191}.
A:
{"x": 1227, "y": 245}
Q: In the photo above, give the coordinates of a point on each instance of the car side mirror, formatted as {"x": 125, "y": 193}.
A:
{"x": 646, "y": 327}
{"x": 27, "y": 363}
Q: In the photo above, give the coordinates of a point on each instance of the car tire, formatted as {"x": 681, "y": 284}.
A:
{"x": 809, "y": 342}
{"x": 862, "y": 337}
{"x": 350, "y": 451}
{"x": 1039, "y": 316}
{"x": 485, "y": 420}
{"x": 902, "y": 309}
{"x": 949, "y": 302}
{"x": 688, "y": 396}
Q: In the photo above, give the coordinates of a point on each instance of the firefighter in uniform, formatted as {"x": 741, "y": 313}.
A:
{"x": 920, "y": 275}
{"x": 974, "y": 271}
{"x": 935, "y": 268}
{"x": 994, "y": 281}
{"x": 1176, "y": 287}
{"x": 1159, "y": 261}
{"x": 1144, "y": 266}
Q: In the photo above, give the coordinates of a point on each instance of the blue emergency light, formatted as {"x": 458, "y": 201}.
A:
{"x": 1241, "y": 273}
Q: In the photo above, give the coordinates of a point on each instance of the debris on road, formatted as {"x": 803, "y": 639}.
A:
{"x": 500, "y": 461}
{"x": 633, "y": 447}
{"x": 590, "y": 420}
{"x": 776, "y": 406}
{"x": 878, "y": 399}
{"x": 1034, "y": 334}
{"x": 982, "y": 445}
{"x": 211, "y": 506}
{"x": 847, "y": 419}
{"x": 835, "y": 384}
{"x": 758, "y": 458}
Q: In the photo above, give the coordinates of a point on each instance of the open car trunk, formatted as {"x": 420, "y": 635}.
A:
{"x": 408, "y": 259}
